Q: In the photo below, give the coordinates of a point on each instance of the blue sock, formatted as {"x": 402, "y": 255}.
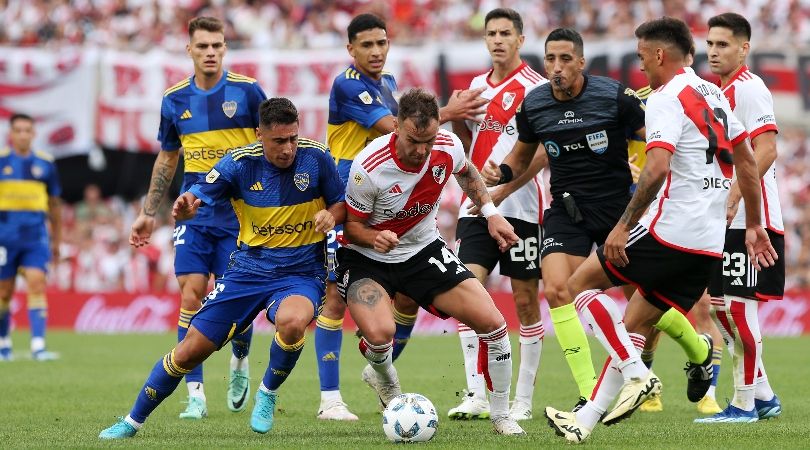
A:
{"x": 647, "y": 357}
{"x": 37, "y": 318}
{"x": 162, "y": 381}
{"x": 328, "y": 339}
{"x": 404, "y": 328}
{"x": 717, "y": 356}
{"x": 196, "y": 374}
{"x": 240, "y": 344}
{"x": 282, "y": 360}
{"x": 5, "y": 323}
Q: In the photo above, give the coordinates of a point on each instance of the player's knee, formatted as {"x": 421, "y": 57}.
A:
{"x": 557, "y": 294}
{"x": 190, "y": 301}
{"x": 292, "y": 328}
{"x": 379, "y": 333}
{"x": 333, "y": 307}
{"x": 487, "y": 323}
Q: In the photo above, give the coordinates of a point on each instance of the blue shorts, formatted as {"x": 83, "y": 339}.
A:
{"x": 332, "y": 244}
{"x": 237, "y": 298}
{"x": 35, "y": 255}
{"x": 202, "y": 249}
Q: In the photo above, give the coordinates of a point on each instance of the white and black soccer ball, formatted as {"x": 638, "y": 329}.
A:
{"x": 410, "y": 418}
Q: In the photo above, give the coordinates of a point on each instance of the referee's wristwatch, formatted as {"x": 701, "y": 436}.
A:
{"x": 506, "y": 174}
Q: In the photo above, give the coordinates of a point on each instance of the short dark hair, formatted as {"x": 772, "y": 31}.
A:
{"x": 19, "y": 116}
{"x": 211, "y": 24}
{"x": 277, "y": 110}
{"x": 668, "y": 30}
{"x": 738, "y": 24}
{"x": 364, "y": 22}
{"x": 418, "y": 105}
{"x": 567, "y": 34}
{"x": 506, "y": 13}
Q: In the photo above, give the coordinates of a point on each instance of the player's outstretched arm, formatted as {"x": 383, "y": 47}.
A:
{"x": 463, "y": 105}
{"x": 358, "y": 232}
{"x": 518, "y": 161}
{"x": 162, "y": 175}
{"x": 326, "y": 219}
{"x": 649, "y": 183}
{"x": 760, "y": 251}
{"x": 185, "y": 207}
{"x": 473, "y": 185}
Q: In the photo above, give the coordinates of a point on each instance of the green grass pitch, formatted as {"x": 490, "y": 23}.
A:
{"x": 66, "y": 403}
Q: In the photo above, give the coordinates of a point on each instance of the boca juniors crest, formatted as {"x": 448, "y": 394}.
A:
{"x": 229, "y": 108}
{"x": 301, "y": 181}
{"x": 439, "y": 173}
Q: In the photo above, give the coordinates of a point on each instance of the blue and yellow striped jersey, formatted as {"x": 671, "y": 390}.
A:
{"x": 276, "y": 206}
{"x": 356, "y": 103}
{"x": 207, "y": 125}
{"x": 26, "y": 183}
{"x": 636, "y": 145}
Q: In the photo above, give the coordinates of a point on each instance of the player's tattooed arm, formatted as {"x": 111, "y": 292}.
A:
{"x": 365, "y": 292}
{"x": 162, "y": 176}
{"x": 649, "y": 183}
{"x": 473, "y": 185}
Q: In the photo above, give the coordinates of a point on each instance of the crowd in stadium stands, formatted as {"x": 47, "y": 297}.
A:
{"x": 97, "y": 257}
{"x": 143, "y": 24}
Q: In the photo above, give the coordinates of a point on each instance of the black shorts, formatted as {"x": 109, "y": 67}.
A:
{"x": 432, "y": 271}
{"x": 562, "y": 235}
{"x": 735, "y": 275}
{"x": 522, "y": 261}
{"x": 666, "y": 277}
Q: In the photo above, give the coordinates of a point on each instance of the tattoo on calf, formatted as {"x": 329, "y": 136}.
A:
{"x": 365, "y": 292}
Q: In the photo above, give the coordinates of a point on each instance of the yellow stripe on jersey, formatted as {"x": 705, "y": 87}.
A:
{"x": 352, "y": 74}
{"x": 278, "y": 226}
{"x": 239, "y": 78}
{"x": 202, "y": 150}
{"x": 309, "y": 143}
{"x": 43, "y": 155}
{"x": 5, "y": 152}
{"x": 251, "y": 150}
{"x": 644, "y": 92}
{"x": 23, "y": 195}
{"x": 177, "y": 87}
{"x": 348, "y": 139}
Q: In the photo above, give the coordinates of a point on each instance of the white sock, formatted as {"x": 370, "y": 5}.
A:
{"x": 37, "y": 344}
{"x": 747, "y": 350}
{"x": 469, "y": 348}
{"x": 239, "y": 364}
{"x": 531, "y": 346}
{"x": 717, "y": 311}
{"x": 131, "y": 421}
{"x": 264, "y": 388}
{"x": 5, "y": 342}
{"x": 710, "y": 392}
{"x": 379, "y": 357}
{"x": 497, "y": 369}
{"x": 763, "y": 390}
{"x": 331, "y": 397}
{"x": 196, "y": 389}
{"x": 604, "y": 318}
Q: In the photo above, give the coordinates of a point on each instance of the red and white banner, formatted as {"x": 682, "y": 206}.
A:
{"x": 121, "y": 312}
{"x": 58, "y": 89}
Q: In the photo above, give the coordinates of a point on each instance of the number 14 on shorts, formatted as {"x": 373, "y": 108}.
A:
{"x": 448, "y": 257}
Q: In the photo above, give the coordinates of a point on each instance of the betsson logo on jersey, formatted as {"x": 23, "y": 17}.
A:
{"x": 205, "y": 153}
{"x": 491, "y": 124}
{"x": 288, "y": 228}
{"x": 416, "y": 210}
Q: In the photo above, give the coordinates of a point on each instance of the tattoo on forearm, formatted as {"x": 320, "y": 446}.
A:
{"x": 473, "y": 185}
{"x": 365, "y": 292}
{"x": 645, "y": 193}
{"x": 161, "y": 180}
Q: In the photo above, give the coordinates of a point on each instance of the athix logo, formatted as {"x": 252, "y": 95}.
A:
{"x": 288, "y": 228}
{"x": 569, "y": 119}
{"x": 415, "y": 210}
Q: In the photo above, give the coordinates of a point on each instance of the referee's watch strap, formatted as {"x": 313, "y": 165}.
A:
{"x": 506, "y": 174}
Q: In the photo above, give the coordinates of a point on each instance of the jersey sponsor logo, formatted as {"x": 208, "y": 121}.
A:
{"x": 767, "y": 118}
{"x": 212, "y": 176}
{"x": 716, "y": 183}
{"x": 507, "y": 100}
{"x": 418, "y": 209}
{"x": 550, "y": 242}
{"x": 355, "y": 204}
{"x": 205, "y": 153}
{"x": 287, "y": 228}
{"x": 598, "y": 142}
{"x": 569, "y": 119}
{"x": 229, "y": 108}
{"x": 366, "y": 98}
{"x": 439, "y": 173}
{"x": 301, "y": 181}
{"x": 492, "y": 124}
{"x": 552, "y": 148}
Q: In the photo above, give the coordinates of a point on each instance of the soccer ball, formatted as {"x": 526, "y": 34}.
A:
{"x": 410, "y": 418}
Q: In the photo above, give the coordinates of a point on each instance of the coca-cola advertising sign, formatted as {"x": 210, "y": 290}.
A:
{"x": 122, "y": 312}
